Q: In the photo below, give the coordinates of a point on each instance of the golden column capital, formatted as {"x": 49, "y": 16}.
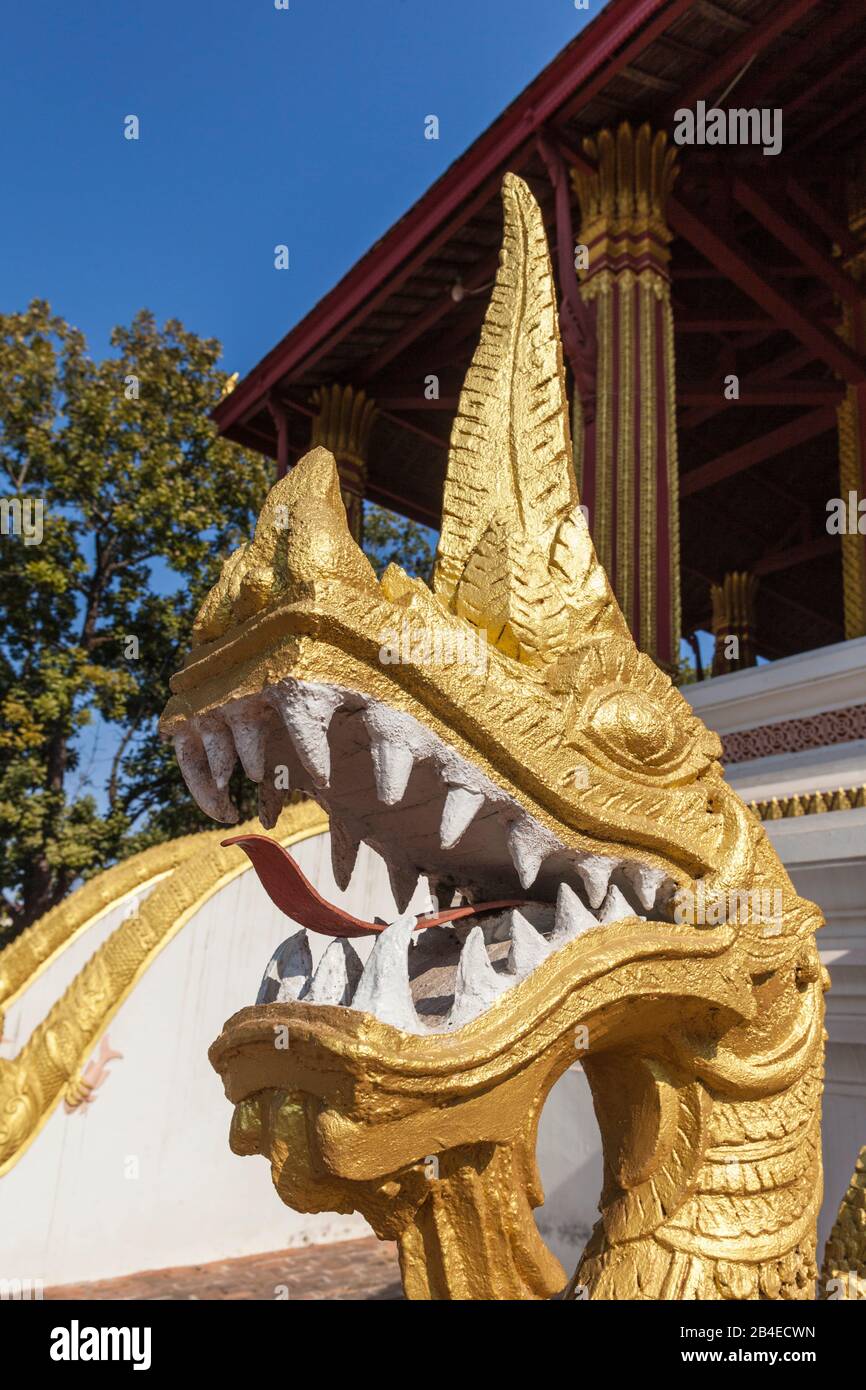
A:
{"x": 623, "y": 200}
{"x": 734, "y": 622}
{"x": 342, "y": 423}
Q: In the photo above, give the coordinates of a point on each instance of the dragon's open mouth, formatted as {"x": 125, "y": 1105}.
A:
{"x": 509, "y": 892}
{"x": 567, "y": 812}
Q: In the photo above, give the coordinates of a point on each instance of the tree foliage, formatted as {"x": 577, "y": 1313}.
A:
{"x": 389, "y": 538}
{"x": 141, "y": 502}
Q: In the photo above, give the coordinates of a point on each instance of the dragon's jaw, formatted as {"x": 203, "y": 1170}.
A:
{"x": 451, "y": 1038}
{"x": 446, "y": 832}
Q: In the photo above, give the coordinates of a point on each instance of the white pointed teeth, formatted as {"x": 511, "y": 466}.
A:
{"x": 391, "y": 749}
{"x": 615, "y": 907}
{"x": 392, "y": 768}
{"x": 528, "y": 947}
{"x": 219, "y": 747}
{"x": 289, "y": 972}
{"x": 193, "y": 762}
{"x": 527, "y": 849}
{"x": 646, "y": 883}
{"x": 337, "y": 975}
{"x": 595, "y": 875}
{"x": 477, "y": 983}
{"x": 344, "y": 853}
{"x": 250, "y": 736}
{"x": 572, "y": 918}
{"x": 384, "y": 986}
{"x": 307, "y": 711}
{"x": 460, "y": 809}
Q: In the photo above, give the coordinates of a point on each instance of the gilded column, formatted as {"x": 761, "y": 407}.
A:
{"x": 342, "y": 424}
{"x": 734, "y": 622}
{"x": 629, "y": 464}
{"x": 852, "y": 421}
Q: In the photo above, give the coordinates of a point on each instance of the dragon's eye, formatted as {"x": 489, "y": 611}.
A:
{"x": 632, "y": 729}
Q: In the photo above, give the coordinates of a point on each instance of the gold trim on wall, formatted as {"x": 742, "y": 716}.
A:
{"x": 35, "y": 1081}
{"x": 809, "y": 803}
{"x": 33, "y": 951}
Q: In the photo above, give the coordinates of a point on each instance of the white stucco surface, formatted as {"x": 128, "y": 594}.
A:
{"x": 143, "y": 1177}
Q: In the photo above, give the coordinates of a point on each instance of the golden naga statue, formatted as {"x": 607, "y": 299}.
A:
{"x": 611, "y": 890}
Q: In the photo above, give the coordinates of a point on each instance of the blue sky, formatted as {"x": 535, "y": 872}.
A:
{"x": 258, "y": 126}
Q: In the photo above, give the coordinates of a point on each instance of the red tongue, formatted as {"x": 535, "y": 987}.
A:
{"x": 294, "y": 895}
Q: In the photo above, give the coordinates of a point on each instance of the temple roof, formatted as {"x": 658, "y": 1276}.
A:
{"x": 757, "y": 283}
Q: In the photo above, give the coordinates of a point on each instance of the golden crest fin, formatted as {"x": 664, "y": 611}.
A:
{"x": 515, "y": 556}
{"x": 510, "y": 451}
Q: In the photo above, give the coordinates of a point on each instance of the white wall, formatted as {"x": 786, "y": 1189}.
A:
{"x": 69, "y": 1212}
{"x": 826, "y": 858}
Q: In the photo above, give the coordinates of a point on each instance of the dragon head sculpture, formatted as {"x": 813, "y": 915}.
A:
{"x": 502, "y": 736}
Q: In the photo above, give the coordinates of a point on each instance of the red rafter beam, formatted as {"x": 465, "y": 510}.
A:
{"x": 323, "y": 345}
{"x": 797, "y": 555}
{"x": 418, "y": 402}
{"x": 784, "y": 393}
{"x": 739, "y": 268}
{"x": 758, "y": 450}
{"x": 778, "y": 226}
{"x": 777, "y": 370}
{"x": 832, "y": 228}
{"x": 406, "y": 506}
{"x": 711, "y": 80}
{"x": 647, "y": 35}
{"x": 417, "y": 327}
{"x": 685, "y": 323}
{"x": 819, "y": 307}
{"x": 754, "y": 88}
{"x": 781, "y": 366}
{"x": 811, "y": 89}
{"x": 431, "y": 438}
{"x": 837, "y": 117}
{"x": 412, "y": 381}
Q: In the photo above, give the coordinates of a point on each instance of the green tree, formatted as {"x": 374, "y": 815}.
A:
{"x": 389, "y": 538}
{"x": 140, "y": 503}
